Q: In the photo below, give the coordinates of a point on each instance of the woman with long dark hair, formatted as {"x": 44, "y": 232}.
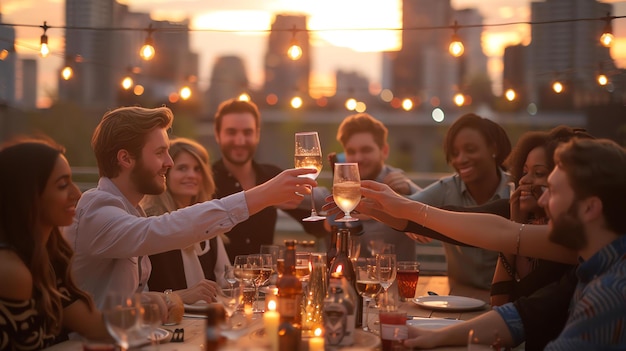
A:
{"x": 38, "y": 298}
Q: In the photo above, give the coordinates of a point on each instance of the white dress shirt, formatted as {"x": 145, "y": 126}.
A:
{"x": 111, "y": 238}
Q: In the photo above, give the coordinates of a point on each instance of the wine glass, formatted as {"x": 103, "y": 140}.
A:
{"x": 151, "y": 317}
{"x": 272, "y": 250}
{"x": 386, "y": 271}
{"x": 367, "y": 284}
{"x": 308, "y": 154}
{"x": 121, "y": 315}
{"x": 229, "y": 276}
{"x": 346, "y": 189}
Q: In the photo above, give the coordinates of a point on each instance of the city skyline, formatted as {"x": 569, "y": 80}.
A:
{"x": 330, "y": 51}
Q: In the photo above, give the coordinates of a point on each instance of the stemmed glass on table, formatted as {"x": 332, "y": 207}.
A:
{"x": 151, "y": 317}
{"x": 122, "y": 316}
{"x": 386, "y": 272}
{"x": 367, "y": 284}
{"x": 346, "y": 189}
{"x": 308, "y": 154}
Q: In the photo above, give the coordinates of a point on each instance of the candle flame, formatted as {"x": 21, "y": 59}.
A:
{"x": 271, "y": 305}
{"x": 339, "y": 269}
{"x": 318, "y": 332}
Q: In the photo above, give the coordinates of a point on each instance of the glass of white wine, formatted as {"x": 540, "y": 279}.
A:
{"x": 308, "y": 154}
{"x": 346, "y": 189}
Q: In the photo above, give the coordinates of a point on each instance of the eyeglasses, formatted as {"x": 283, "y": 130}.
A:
{"x": 538, "y": 190}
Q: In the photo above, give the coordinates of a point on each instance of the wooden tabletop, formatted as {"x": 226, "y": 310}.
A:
{"x": 194, "y": 327}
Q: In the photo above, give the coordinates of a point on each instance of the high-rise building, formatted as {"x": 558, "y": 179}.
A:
{"x": 473, "y": 61}
{"x": 8, "y": 61}
{"x": 567, "y": 51}
{"x": 423, "y": 69}
{"x": 285, "y": 77}
{"x": 228, "y": 80}
{"x": 90, "y": 53}
{"x": 515, "y": 71}
{"x": 26, "y": 86}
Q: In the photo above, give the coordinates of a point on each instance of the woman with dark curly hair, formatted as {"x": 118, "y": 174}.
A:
{"x": 38, "y": 297}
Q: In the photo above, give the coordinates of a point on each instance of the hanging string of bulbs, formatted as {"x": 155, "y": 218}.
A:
{"x": 294, "y": 51}
{"x": 456, "y": 48}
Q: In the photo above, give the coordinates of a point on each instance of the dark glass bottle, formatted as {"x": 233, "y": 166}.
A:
{"x": 342, "y": 264}
{"x": 338, "y": 313}
{"x": 289, "y": 302}
{"x": 332, "y": 249}
{"x": 216, "y": 315}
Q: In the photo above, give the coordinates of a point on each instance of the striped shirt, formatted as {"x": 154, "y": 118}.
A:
{"x": 597, "y": 316}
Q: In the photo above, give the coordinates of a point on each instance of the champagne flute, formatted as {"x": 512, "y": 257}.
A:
{"x": 308, "y": 154}
{"x": 121, "y": 315}
{"x": 386, "y": 272}
{"x": 346, "y": 189}
{"x": 367, "y": 284}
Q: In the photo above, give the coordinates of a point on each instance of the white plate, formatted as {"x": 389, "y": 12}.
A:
{"x": 198, "y": 307}
{"x": 444, "y": 303}
{"x": 432, "y": 323}
{"x": 161, "y": 335}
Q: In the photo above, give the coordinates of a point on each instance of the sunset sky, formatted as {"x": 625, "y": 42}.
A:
{"x": 348, "y": 50}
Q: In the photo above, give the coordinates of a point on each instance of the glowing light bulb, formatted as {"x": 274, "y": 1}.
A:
{"x": 603, "y": 79}
{"x": 4, "y": 53}
{"x": 127, "y": 82}
{"x": 185, "y": 93}
{"x": 67, "y": 73}
{"x": 296, "y": 102}
{"x": 147, "y": 52}
{"x": 294, "y": 52}
{"x": 407, "y": 104}
{"x": 607, "y": 39}
{"x": 456, "y": 48}
{"x": 244, "y": 97}
{"x": 351, "y": 104}
{"x": 510, "y": 94}
{"x": 557, "y": 87}
{"x": 44, "y": 50}
{"x": 459, "y": 99}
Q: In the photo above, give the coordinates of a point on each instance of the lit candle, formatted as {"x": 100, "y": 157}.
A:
{"x": 316, "y": 343}
{"x": 271, "y": 319}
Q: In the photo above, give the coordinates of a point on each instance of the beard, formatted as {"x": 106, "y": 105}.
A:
{"x": 227, "y": 152}
{"x": 144, "y": 180}
{"x": 568, "y": 230}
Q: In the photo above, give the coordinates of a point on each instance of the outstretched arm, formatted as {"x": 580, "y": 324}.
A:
{"x": 479, "y": 229}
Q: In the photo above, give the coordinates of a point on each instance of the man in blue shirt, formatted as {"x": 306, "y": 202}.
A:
{"x": 584, "y": 202}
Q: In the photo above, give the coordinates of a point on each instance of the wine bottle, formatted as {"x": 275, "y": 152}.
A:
{"x": 343, "y": 265}
{"x": 332, "y": 249}
{"x": 289, "y": 300}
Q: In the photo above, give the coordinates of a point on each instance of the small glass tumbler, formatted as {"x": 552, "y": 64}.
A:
{"x": 407, "y": 275}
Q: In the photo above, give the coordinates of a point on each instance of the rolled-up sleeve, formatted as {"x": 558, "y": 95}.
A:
{"x": 513, "y": 321}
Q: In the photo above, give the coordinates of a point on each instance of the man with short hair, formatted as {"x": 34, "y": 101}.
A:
{"x": 364, "y": 141}
{"x": 237, "y": 133}
{"x": 585, "y": 204}
{"x": 112, "y": 236}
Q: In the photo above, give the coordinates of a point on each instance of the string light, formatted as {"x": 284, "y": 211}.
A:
{"x": 147, "y": 51}
{"x": 185, "y": 93}
{"x": 602, "y": 79}
{"x": 510, "y": 94}
{"x": 351, "y": 104}
{"x": 44, "y": 50}
{"x": 295, "y": 51}
{"x": 558, "y": 87}
{"x": 244, "y": 97}
{"x": 407, "y": 104}
{"x": 459, "y": 99}
{"x": 4, "y": 53}
{"x": 606, "y": 39}
{"x": 296, "y": 102}
{"x": 127, "y": 83}
{"x": 456, "y": 47}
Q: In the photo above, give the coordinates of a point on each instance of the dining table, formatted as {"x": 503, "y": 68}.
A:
{"x": 251, "y": 338}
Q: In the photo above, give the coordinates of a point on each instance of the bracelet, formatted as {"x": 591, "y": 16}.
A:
{"x": 519, "y": 235}
{"x": 425, "y": 210}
